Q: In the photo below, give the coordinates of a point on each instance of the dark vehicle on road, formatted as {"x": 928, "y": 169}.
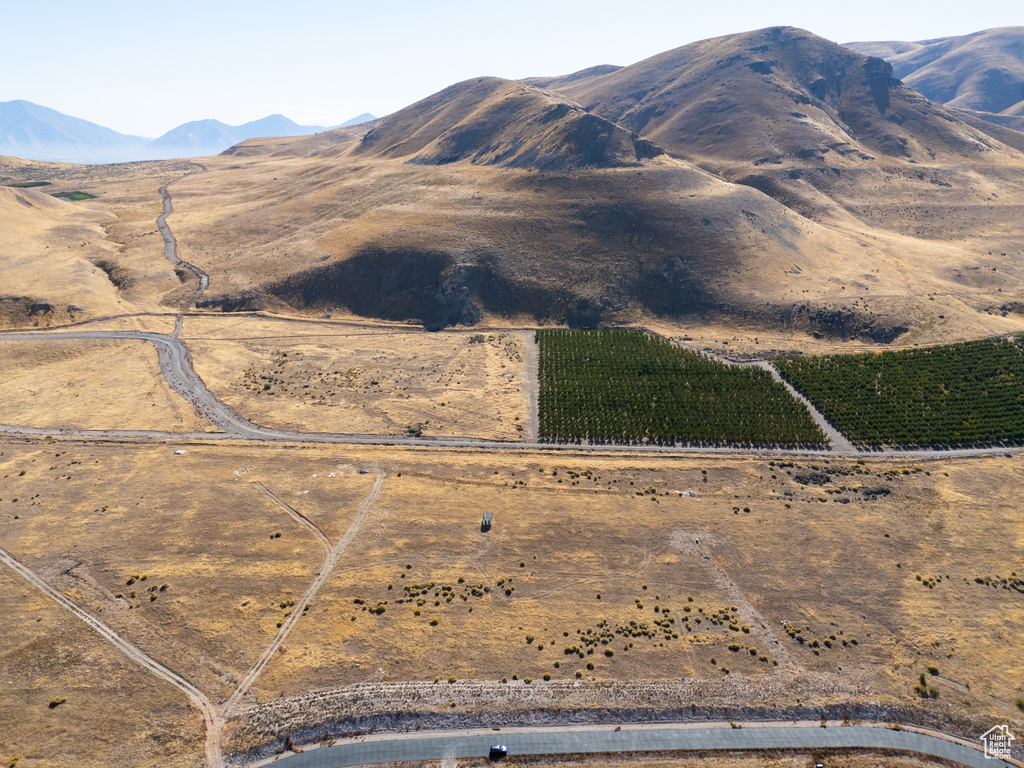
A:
{"x": 498, "y": 751}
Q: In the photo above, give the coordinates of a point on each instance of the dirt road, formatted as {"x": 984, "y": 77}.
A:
{"x": 203, "y": 704}
{"x": 330, "y": 561}
{"x": 171, "y": 245}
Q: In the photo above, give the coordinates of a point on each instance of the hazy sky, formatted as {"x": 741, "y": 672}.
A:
{"x": 143, "y": 67}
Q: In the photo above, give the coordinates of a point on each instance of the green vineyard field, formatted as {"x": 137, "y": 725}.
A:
{"x": 960, "y": 394}
{"x": 625, "y": 386}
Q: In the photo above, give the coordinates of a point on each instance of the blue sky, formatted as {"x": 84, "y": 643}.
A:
{"x": 143, "y": 66}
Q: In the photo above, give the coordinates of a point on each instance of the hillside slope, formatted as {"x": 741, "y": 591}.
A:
{"x": 495, "y": 201}
{"x": 801, "y": 188}
{"x": 490, "y": 121}
{"x": 774, "y": 94}
{"x": 827, "y": 131}
{"x": 50, "y": 251}
{"x": 983, "y": 71}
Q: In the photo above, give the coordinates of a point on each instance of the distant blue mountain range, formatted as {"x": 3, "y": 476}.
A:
{"x": 33, "y": 132}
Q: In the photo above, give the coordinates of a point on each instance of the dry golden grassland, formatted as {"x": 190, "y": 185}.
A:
{"x": 87, "y": 259}
{"x": 49, "y": 248}
{"x": 252, "y": 221}
{"x": 768, "y": 561}
{"x": 314, "y": 377}
{"x": 843, "y": 576}
{"x": 91, "y": 385}
{"x": 112, "y": 713}
{"x": 188, "y": 556}
{"x": 139, "y": 269}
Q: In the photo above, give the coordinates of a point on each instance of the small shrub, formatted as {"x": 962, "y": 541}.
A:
{"x": 433, "y": 622}
{"x": 547, "y": 675}
{"x": 57, "y": 701}
{"x": 452, "y": 679}
{"x": 608, "y": 652}
{"x": 590, "y": 666}
{"x": 933, "y": 670}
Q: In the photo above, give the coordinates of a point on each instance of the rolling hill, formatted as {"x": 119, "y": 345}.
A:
{"x": 774, "y": 95}
{"x": 498, "y": 201}
{"x": 490, "y": 121}
{"x": 983, "y": 71}
{"x": 771, "y": 179}
{"x": 829, "y": 132}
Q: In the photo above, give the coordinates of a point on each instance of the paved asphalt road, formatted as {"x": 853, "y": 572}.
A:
{"x": 630, "y": 739}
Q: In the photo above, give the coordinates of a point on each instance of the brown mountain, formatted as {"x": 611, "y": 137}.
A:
{"x": 496, "y": 201}
{"x": 801, "y": 186}
{"x": 771, "y": 95}
{"x": 490, "y": 121}
{"x": 825, "y": 130}
{"x": 983, "y": 71}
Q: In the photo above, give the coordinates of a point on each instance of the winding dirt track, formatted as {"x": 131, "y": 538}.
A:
{"x": 215, "y": 716}
{"x": 171, "y": 245}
